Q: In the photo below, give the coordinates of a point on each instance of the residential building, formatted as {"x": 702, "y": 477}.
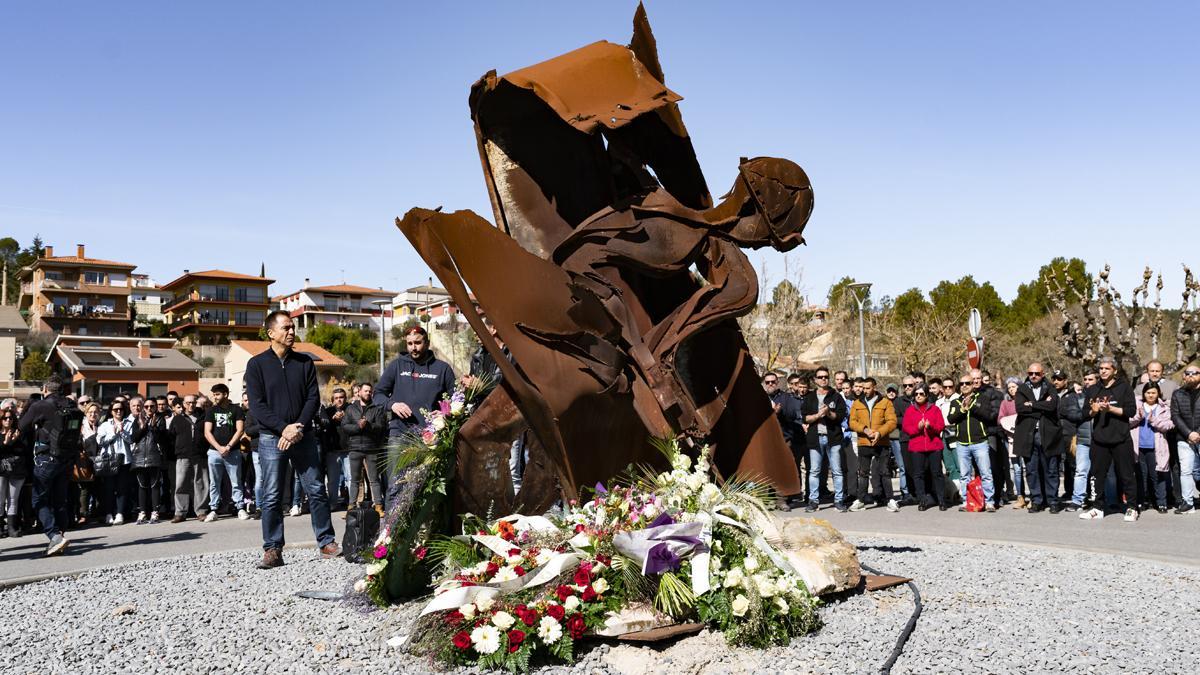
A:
{"x": 343, "y": 305}
{"x": 75, "y": 294}
{"x": 329, "y": 367}
{"x": 216, "y": 306}
{"x": 104, "y": 367}
{"x": 148, "y": 301}
{"x": 12, "y": 328}
{"x": 430, "y": 300}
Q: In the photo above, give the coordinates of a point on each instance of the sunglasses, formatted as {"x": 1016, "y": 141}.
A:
{"x": 919, "y": 393}
{"x": 1031, "y": 373}
{"x": 965, "y": 384}
{"x": 771, "y": 382}
{"x": 821, "y": 377}
{"x": 1191, "y": 373}
{"x": 116, "y": 410}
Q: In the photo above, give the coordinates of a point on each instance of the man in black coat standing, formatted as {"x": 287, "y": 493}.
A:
{"x": 1111, "y": 405}
{"x": 823, "y": 412}
{"x": 1038, "y": 438}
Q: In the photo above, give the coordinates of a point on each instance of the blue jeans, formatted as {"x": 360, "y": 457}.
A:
{"x": 1018, "y": 475}
{"x": 980, "y": 453}
{"x": 816, "y": 456}
{"x": 257, "y": 479}
{"x": 307, "y": 463}
{"x": 50, "y": 493}
{"x": 1189, "y": 469}
{"x": 899, "y": 456}
{"x": 1083, "y": 466}
{"x": 218, "y": 466}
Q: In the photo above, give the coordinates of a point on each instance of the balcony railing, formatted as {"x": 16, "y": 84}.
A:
{"x": 84, "y": 312}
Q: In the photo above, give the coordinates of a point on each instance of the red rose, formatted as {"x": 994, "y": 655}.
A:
{"x": 583, "y": 576}
{"x": 604, "y": 559}
{"x": 492, "y": 568}
{"x": 515, "y": 638}
{"x": 564, "y": 592}
{"x": 588, "y": 594}
{"x": 576, "y": 626}
{"x": 454, "y": 618}
{"x": 462, "y": 640}
{"x": 514, "y": 551}
{"x": 421, "y": 553}
{"x": 556, "y": 611}
{"x": 578, "y": 528}
{"x": 529, "y": 617}
{"x": 520, "y": 571}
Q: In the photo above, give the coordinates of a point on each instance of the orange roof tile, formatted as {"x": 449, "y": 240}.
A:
{"x": 76, "y": 260}
{"x": 325, "y": 358}
{"x": 218, "y": 274}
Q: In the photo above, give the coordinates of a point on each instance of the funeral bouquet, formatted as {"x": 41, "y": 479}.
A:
{"x": 653, "y": 550}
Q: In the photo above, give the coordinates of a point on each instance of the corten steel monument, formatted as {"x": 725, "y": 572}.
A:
{"x": 611, "y": 277}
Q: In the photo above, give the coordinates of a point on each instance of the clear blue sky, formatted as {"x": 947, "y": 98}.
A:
{"x": 942, "y": 138}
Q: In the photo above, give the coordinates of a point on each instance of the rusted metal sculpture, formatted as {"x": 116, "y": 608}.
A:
{"x": 611, "y": 277}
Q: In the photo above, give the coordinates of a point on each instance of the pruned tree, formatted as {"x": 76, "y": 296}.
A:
{"x": 779, "y": 330}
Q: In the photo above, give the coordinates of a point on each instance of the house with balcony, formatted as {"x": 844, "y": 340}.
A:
{"x": 148, "y": 301}
{"x": 428, "y": 301}
{"x": 216, "y": 306}
{"x": 342, "y": 305}
{"x": 75, "y": 294}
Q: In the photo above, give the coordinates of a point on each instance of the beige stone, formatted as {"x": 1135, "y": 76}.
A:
{"x": 820, "y": 554}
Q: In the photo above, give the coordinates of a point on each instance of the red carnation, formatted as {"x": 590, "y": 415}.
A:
{"x": 564, "y": 592}
{"x": 515, "y": 638}
{"x": 588, "y": 594}
{"x": 576, "y": 626}
{"x": 514, "y": 551}
{"x": 492, "y": 568}
{"x": 454, "y": 618}
{"x": 606, "y": 560}
{"x": 529, "y": 617}
{"x": 556, "y": 611}
{"x": 421, "y": 553}
{"x": 579, "y": 528}
{"x": 520, "y": 571}
{"x": 582, "y": 577}
{"x": 462, "y": 640}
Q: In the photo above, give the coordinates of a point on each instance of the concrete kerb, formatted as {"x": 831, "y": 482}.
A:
{"x": 1167, "y": 559}
{"x": 34, "y": 578}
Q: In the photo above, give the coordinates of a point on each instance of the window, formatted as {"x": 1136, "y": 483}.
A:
{"x": 331, "y": 303}
{"x": 54, "y": 274}
{"x": 249, "y": 295}
{"x": 105, "y": 358}
{"x": 154, "y": 389}
{"x": 117, "y": 279}
{"x": 250, "y": 318}
{"x": 94, "y": 278}
{"x": 213, "y": 292}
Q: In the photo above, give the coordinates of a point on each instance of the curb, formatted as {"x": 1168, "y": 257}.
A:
{"x": 1165, "y": 559}
{"x": 6, "y": 584}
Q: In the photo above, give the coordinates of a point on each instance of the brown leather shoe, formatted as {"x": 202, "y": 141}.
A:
{"x": 330, "y": 550}
{"x": 178, "y": 519}
{"x": 272, "y": 558}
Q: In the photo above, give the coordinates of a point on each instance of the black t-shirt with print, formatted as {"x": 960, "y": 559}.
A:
{"x": 224, "y": 420}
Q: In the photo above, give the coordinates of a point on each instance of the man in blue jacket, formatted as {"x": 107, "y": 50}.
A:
{"x": 284, "y": 398}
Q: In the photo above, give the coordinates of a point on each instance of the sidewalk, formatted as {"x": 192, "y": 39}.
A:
{"x": 101, "y": 545}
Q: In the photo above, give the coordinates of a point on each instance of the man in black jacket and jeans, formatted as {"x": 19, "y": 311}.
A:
{"x": 1110, "y": 406}
{"x": 1038, "y": 438}
{"x": 55, "y": 423}
{"x": 823, "y": 412}
{"x": 282, "y": 387}
{"x": 1185, "y": 412}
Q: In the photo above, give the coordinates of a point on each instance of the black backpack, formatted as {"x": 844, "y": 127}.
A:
{"x": 362, "y": 526}
{"x": 62, "y": 433}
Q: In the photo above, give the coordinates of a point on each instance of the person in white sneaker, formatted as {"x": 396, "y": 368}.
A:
{"x": 1110, "y": 406}
{"x": 223, "y": 429}
{"x": 873, "y": 421}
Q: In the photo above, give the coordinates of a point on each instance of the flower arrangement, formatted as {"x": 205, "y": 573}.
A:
{"x": 656, "y": 549}
{"x": 422, "y": 464}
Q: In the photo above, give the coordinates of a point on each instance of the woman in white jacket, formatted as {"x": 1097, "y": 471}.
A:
{"x": 114, "y": 440}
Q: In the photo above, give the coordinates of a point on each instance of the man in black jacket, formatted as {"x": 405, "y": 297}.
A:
{"x": 284, "y": 398}
{"x": 823, "y": 412}
{"x": 787, "y": 411}
{"x": 187, "y": 431}
{"x": 1185, "y": 412}
{"x": 332, "y": 453}
{"x": 414, "y": 381}
{"x": 55, "y": 424}
{"x": 363, "y": 425}
{"x": 1111, "y": 406}
{"x": 1038, "y": 438}
{"x": 988, "y": 409}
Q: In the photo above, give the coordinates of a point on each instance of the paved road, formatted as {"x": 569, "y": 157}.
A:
{"x": 1169, "y": 537}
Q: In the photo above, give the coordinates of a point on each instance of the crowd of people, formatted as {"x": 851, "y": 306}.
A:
{"x": 69, "y": 462}
{"x": 1044, "y": 442}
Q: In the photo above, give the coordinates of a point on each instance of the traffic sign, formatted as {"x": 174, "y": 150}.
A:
{"x": 975, "y": 352}
{"x": 975, "y": 325}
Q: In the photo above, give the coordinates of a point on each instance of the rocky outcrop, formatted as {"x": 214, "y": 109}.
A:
{"x": 820, "y": 554}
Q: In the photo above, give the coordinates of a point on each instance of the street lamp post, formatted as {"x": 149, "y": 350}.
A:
{"x": 382, "y": 326}
{"x": 860, "y": 296}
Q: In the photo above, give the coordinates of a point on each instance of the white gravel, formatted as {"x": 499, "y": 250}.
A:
{"x": 988, "y": 607}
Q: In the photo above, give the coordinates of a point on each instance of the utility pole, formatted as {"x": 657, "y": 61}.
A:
{"x": 861, "y": 298}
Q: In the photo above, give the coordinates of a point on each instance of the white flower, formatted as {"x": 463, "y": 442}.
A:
{"x": 503, "y": 620}
{"x": 543, "y": 556}
{"x": 733, "y": 578}
{"x": 514, "y": 559}
{"x": 600, "y": 585}
{"x": 751, "y": 563}
{"x": 484, "y": 603}
{"x": 704, "y": 517}
{"x": 480, "y": 568}
{"x": 505, "y": 573}
{"x": 439, "y": 423}
{"x": 682, "y": 461}
{"x": 549, "y": 630}
{"x": 571, "y": 603}
{"x": 360, "y": 586}
{"x": 782, "y": 605}
{"x": 456, "y": 408}
{"x": 739, "y": 605}
{"x": 665, "y": 478}
{"x": 766, "y": 587}
{"x": 715, "y": 563}
{"x": 486, "y": 639}
{"x": 468, "y": 611}
{"x": 376, "y": 567}
{"x": 710, "y": 493}
{"x": 696, "y": 480}
{"x": 650, "y": 511}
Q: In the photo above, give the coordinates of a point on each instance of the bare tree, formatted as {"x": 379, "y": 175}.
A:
{"x": 781, "y": 325}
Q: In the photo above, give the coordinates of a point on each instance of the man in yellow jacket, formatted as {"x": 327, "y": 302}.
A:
{"x": 872, "y": 417}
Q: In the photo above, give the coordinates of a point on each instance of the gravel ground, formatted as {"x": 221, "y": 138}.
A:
{"x": 990, "y": 607}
